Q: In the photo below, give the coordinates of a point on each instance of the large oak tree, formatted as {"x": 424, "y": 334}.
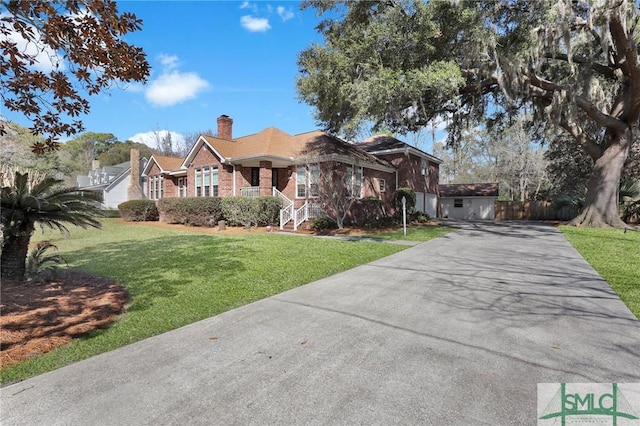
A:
{"x": 398, "y": 64}
{"x": 57, "y": 53}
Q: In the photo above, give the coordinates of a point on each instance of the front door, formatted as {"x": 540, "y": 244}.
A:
{"x": 255, "y": 176}
{"x": 274, "y": 178}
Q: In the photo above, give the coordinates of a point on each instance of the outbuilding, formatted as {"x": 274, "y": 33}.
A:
{"x": 473, "y": 201}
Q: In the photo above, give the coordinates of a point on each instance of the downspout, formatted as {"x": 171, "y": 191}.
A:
{"x": 234, "y": 180}
{"x": 396, "y": 179}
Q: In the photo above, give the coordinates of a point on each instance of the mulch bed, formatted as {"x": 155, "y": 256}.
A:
{"x": 37, "y": 318}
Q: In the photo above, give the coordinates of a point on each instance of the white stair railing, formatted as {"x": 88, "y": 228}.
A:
{"x": 300, "y": 216}
{"x": 287, "y": 211}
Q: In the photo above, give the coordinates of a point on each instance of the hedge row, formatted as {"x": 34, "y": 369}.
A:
{"x": 195, "y": 211}
{"x": 207, "y": 211}
{"x": 247, "y": 211}
{"x": 138, "y": 210}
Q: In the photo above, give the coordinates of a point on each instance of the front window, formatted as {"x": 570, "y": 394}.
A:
{"x": 314, "y": 180}
{"x": 424, "y": 167}
{"x": 207, "y": 181}
{"x": 161, "y": 181}
{"x": 214, "y": 182}
{"x": 353, "y": 181}
{"x": 182, "y": 187}
{"x": 151, "y": 187}
{"x": 301, "y": 182}
{"x": 198, "y": 183}
{"x": 357, "y": 190}
{"x": 457, "y": 202}
{"x": 383, "y": 185}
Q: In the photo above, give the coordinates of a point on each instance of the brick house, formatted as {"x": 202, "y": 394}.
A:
{"x": 273, "y": 162}
{"x": 415, "y": 169}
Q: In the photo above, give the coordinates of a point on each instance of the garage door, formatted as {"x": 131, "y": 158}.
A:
{"x": 427, "y": 203}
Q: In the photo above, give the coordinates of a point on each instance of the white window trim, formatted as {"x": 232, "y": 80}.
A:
{"x": 298, "y": 183}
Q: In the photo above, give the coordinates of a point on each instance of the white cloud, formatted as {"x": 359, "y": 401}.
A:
{"x": 169, "y": 62}
{"x": 248, "y": 5}
{"x": 152, "y": 138}
{"x": 46, "y": 59}
{"x": 284, "y": 13}
{"x": 174, "y": 87}
{"x": 254, "y": 24}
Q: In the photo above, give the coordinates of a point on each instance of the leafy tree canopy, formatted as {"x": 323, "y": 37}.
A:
{"x": 57, "y": 53}
{"x": 399, "y": 64}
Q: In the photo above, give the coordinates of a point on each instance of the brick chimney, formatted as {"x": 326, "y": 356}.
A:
{"x": 134, "y": 191}
{"x": 225, "y": 125}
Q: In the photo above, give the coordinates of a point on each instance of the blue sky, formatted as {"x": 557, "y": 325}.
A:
{"x": 210, "y": 58}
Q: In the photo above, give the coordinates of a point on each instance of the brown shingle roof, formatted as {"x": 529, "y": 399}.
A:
{"x": 469, "y": 190}
{"x": 275, "y": 142}
{"x": 168, "y": 163}
{"x": 381, "y": 143}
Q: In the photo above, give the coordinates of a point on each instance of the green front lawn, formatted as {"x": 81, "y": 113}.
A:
{"x": 414, "y": 233}
{"x": 175, "y": 277}
{"x": 615, "y": 255}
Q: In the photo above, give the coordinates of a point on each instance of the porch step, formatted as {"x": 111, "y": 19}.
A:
{"x": 289, "y": 226}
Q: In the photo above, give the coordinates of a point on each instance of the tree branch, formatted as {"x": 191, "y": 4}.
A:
{"x": 603, "y": 70}
{"x": 590, "y": 147}
{"x": 585, "y": 105}
{"x": 628, "y": 49}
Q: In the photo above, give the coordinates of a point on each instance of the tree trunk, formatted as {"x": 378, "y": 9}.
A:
{"x": 14, "y": 255}
{"x": 601, "y": 205}
{"x": 13, "y": 258}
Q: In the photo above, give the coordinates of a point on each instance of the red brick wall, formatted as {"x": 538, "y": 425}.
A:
{"x": 372, "y": 184}
{"x": 410, "y": 175}
{"x": 265, "y": 178}
{"x": 206, "y": 157}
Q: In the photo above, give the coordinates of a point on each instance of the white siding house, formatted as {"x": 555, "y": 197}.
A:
{"x": 112, "y": 182}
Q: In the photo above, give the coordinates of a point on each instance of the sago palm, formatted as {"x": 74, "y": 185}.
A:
{"x": 42, "y": 200}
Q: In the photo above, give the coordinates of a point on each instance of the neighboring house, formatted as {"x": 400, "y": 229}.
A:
{"x": 416, "y": 169}
{"x": 113, "y": 182}
{"x": 273, "y": 162}
{"x": 468, "y": 201}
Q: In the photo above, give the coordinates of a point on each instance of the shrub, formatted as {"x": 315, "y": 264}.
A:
{"x": 194, "y": 211}
{"x": 248, "y": 211}
{"x": 138, "y": 210}
{"x": 268, "y": 210}
{"x": 368, "y": 212}
{"x": 420, "y": 217}
{"x": 323, "y": 223}
{"x": 41, "y": 265}
{"x": 409, "y": 195}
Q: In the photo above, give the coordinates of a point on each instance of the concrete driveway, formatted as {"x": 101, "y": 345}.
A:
{"x": 456, "y": 331}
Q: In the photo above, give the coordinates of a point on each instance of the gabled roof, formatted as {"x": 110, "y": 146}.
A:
{"x": 385, "y": 144}
{"x": 116, "y": 171}
{"x": 165, "y": 164}
{"x": 321, "y": 144}
{"x": 275, "y": 145}
{"x": 469, "y": 190}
